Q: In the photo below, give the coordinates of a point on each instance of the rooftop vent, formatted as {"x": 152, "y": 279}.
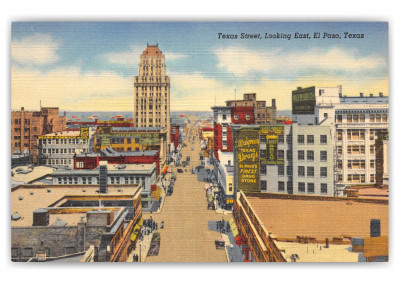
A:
{"x": 31, "y": 193}
{"x": 380, "y": 94}
{"x": 83, "y": 190}
{"x": 20, "y": 198}
{"x": 361, "y": 95}
{"x": 49, "y": 190}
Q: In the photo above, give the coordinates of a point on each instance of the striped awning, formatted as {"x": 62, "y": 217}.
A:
{"x": 234, "y": 229}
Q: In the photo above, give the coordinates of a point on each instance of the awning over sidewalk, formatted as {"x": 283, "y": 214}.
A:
{"x": 234, "y": 229}
{"x": 156, "y": 192}
{"x": 136, "y": 230}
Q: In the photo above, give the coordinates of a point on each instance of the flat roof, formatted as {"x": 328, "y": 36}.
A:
{"x": 42, "y": 198}
{"x": 112, "y": 169}
{"x": 64, "y": 133}
{"x": 27, "y": 174}
{"x": 289, "y": 216}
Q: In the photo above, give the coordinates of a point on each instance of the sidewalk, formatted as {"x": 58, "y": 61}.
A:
{"x": 142, "y": 248}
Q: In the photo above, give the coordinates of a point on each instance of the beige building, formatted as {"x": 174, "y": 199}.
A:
{"x": 152, "y": 91}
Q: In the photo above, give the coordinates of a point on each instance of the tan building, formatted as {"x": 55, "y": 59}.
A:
{"x": 262, "y": 114}
{"x": 26, "y": 126}
{"x": 152, "y": 91}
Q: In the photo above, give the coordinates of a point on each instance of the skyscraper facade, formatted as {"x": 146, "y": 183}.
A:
{"x": 152, "y": 91}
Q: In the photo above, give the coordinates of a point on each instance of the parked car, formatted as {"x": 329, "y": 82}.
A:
{"x": 180, "y": 171}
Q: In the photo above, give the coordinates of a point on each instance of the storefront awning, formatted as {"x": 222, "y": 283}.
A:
{"x": 136, "y": 230}
{"x": 234, "y": 229}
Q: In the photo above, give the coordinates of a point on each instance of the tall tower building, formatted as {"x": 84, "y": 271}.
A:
{"x": 152, "y": 91}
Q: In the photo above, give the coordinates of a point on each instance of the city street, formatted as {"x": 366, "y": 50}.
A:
{"x": 186, "y": 237}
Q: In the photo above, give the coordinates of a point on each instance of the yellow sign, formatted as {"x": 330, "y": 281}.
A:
{"x": 248, "y": 160}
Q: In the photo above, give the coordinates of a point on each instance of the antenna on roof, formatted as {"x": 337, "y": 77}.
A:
{"x": 235, "y": 94}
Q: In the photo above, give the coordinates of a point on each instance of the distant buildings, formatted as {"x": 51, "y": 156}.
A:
{"x": 58, "y": 221}
{"x": 26, "y": 126}
{"x": 133, "y": 139}
{"x": 262, "y": 113}
{"x": 152, "y": 91}
{"x": 58, "y": 149}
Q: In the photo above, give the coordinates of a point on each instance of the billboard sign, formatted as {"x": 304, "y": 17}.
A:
{"x": 270, "y": 134}
{"x": 248, "y": 160}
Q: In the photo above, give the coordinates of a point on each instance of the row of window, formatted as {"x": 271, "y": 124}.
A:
{"x": 58, "y": 162}
{"x": 356, "y": 178}
{"x": 301, "y": 187}
{"x": 26, "y": 121}
{"x": 63, "y": 141}
{"x": 357, "y": 134}
{"x": 95, "y": 180}
{"x": 356, "y": 118}
{"x": 300, "y": 172}
{"x": 310, "y": 139}
{"x": 61, "y": 151}
{"x": 356, "y": 164}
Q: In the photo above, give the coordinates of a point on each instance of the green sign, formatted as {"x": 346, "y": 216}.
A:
{"x": 248, "y": 160}
{"x": 270, "y": 134}
{"x": 303, "y": 101}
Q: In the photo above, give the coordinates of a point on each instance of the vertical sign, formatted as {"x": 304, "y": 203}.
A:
{"x": 271, "y": 134}
{"x": 248, "y": 160}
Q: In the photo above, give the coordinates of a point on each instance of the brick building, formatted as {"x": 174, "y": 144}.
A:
{"x": 26, "y": 126}
{"x": 262, "y": 113}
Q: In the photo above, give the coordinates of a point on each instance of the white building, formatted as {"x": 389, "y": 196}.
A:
{"x": 58, "y": 149}
{"x": 225, "y": 172}
{"x": 356, "y": 121}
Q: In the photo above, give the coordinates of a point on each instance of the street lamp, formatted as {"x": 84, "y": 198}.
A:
{"x": 140, "y": 252}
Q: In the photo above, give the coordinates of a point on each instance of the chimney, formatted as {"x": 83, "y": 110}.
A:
{"x": 40, "y": 217}
{"x": 103, "y": 177}
{"x": 380, "y": 94}
{"x": 361, "y": 95}
{"x": 273, "y": 103}
{"x": 375, "y": 228}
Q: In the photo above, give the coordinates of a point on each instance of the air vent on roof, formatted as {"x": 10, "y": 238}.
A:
{"x": 48, "y": 190}
{"x": 121, "y": 167}
{"x": 20, "y": 198}
{"x": 31, "y": 192}
{"x": 84, "y": 190}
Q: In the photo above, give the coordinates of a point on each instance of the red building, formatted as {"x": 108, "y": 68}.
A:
{"x": 224, "y": 116}
{"x": 92, "y": 160}
{"x": 175, "y": 135}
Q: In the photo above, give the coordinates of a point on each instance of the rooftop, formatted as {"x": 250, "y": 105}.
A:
{"x": 27, "y": 174}
{"x": 110, "y": 152}
{"x": 289, "y": 216}
{"x": 123, "y": 169}
{"x": 64, "y": 133}
{"x": 152, "y": 50}
{"x": 28, "y": 198}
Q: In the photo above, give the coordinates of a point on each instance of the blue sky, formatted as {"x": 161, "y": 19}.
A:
{"x": 90, "y": 66}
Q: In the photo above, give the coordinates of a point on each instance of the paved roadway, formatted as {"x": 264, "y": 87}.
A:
{"x": 186, "y": 237}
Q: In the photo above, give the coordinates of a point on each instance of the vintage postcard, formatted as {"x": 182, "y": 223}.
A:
{"x": 199, "y": 142}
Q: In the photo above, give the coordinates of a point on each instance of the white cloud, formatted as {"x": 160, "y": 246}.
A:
{"x": 69, "y": 89}
{"x": 38, "y": 49}
{"x": 241, "y": 61}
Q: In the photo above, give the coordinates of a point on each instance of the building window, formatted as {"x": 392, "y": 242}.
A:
{"x": 301, "y": 171}
{"x": 263, "y": 139}
{"x": 310, "y": 171}
{"x": 236, "y": 117}
{"x": 302, "y": 187}
{"x": 289, "y": 139}
{"x": 289, "y": 170}
{"x": 263, "y": 169}
{"x": 281, "y": 154}
{"x": 27, "y": 252}
{"x": 372, "y": 149}
{"x": 339, "y": 135}
{"x": 263, "y": 154}
{"x": 281, "y": 139}
{"x": 372, "y": 164}
{"x": 323, "y": 171}
{"x": 247, "y": 116}
{"x": 384, "y": 117}
{"x": 349, "y": 118}
{"x": 371, "y": 178}
{"x": 324, "y": 188}
{"x": 300, "y": 155}
{"x": 323, "y": 139}
{"x": 288, "y": 154}
{"x": 224, "y": 116}
{"x": 340, "y": 178}
{"x": 362, "y": 117}
{"x": 339, "y": 150}
{"x": 310, "y": 139}
{"x": 310, "y": 188}
{"x": 300, "y": 139}
{"x": 310, "y": 155}
{"x": 339, "y": 118}
{"x": 324, "y": 155}
{"x": 281, "y": 170}
{"x": 263, "y": 185}
{"x": 339, "y": 164}
{"x": 14, "y": 252}
{"x": 281, "y": 186}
